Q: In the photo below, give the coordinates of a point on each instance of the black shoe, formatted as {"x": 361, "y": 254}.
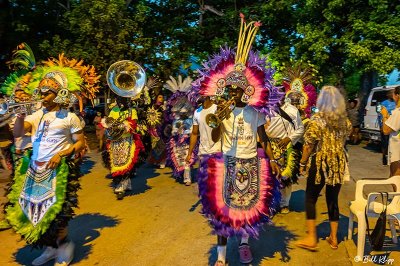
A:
{"x": 120, "y": 195}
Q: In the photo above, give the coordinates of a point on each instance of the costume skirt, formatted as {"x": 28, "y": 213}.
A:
{"x": 123, "y": 154}
{"x": 178, "y": 149}
{"x": 288, "y": 160}
{"x": 41, "y": 200}
{"x": 238, "y": 195}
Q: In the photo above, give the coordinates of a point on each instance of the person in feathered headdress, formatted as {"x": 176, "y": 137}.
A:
{"x": 16, "y": 90}
{"x": 299, "y": 89}
{"x": 157, "y": 130}
{"x": 285, "y": 131}
{"x": 45, "y": 183}
{"x": 179, "y": 115}
{"x": 125, "y": 78}
{"x": 238, "y": 188}
{"x": 285, "y": 128}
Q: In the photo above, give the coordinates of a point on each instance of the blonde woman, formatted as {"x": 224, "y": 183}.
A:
{"x": 323, "y": 161}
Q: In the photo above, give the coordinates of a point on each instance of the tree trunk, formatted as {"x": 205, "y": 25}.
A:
{"x": 369, "y": 80}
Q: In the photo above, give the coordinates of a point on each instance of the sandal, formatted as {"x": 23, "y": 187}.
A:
{"x": 220, "y": 263}
{"x": 330, "y": 242}
{"x": 308, "y": 247}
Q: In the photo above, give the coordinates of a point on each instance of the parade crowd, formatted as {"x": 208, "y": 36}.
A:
{"x": 250, "y": 137}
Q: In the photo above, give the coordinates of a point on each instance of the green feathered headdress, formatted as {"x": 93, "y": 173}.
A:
{"x": 23, "y": 62}
{"x": 15, "y": 80}
{"x": 69, "y": 75}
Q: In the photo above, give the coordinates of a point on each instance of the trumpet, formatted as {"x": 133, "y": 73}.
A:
{"x": 10, "y": 107}
{"x": 214, "y": 120}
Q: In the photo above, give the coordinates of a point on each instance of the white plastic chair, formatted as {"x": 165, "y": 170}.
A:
{"x": 357, "y": 208}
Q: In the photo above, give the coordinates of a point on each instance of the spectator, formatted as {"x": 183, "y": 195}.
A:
{"x": 324, "y": 162}
{"x": 391, "y": 128}
{"x": 389, "y": 105}
{"x": 354, "y": 118}
{"x": 99, "y": 129}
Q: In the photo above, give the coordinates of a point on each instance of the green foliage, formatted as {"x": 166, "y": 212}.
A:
{"x": 342, "y": 39}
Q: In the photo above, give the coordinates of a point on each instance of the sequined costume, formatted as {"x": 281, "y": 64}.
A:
{"x": 237, "y": 190}
{"x": 42, "y": 199}
{"x": 180, "y": 116}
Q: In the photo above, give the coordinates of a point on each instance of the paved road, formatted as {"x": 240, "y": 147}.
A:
{"x": 160, "y": 224}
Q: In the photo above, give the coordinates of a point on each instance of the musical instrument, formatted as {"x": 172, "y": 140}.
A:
{"x": 126, "y": 78}
{"x": 214, "y": 120}
{"x": 9, "y": 106}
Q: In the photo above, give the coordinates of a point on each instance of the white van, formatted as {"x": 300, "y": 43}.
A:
{"x": 370, "y": 126}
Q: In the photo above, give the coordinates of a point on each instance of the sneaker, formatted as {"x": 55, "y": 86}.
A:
{"x": 48, "y": 254}
{"x": 285, "y": 210}
{"x": 65, "y": 254}
{"x": 187, "y": 181}
{"x": 245, "y": 254}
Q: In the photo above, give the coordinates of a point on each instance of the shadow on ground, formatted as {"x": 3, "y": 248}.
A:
{"x": 83, "y": 229}
{"x": 273, "y": 241}
{"x": 139, "y": 180}
{"x": 87, "y": 165}
{"x": 323, "y": 229}
{"x": 372, "y": 146}
{"x": 297, "y": 201}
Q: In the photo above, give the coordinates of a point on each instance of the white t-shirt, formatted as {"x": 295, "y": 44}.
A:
{"x": 52, "y": 132}
{"x": 280, "y": 128}
{"x": 207, "y": 146}
{"x": 394, "y": 140}
{"x": 239, "y": 132}
{"x": 21, "y": 143}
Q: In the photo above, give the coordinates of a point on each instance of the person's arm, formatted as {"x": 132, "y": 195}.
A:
{"x": 21, "y": 127}
{"x": 266, "y": 145}
{"x": 79, "y": 144}
{"x": 390, "y": 122}
{"x": 192, "y": 142}
{"x": 216, "y": 134}
{"x": 296, "y": 135}
{"x": 299, "y": 129}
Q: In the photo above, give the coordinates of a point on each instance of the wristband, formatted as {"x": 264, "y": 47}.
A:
{"x": 302, "y": 164}
{"x": 273, "y": 161}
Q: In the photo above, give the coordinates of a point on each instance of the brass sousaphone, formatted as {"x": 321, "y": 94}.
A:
{"x": 126, "y": 78}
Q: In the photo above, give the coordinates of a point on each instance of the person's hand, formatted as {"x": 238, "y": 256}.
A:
{"x": 275, "y": 168}
{"x": 303, "y": 171}
{"x": 21, "y": 115}
{"x": 54, "y": 161}
{"x": 188, "y": 158}
{"x": 284, "y": 142}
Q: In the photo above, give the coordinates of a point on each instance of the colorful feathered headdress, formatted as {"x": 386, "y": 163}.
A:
{"x": 244, "y": 69}
{"x": 70, "y": 79}
{"x": 299, "y": 89}
{"x": 23, "y": 63}
{"x": 178, "y": 85}
{"x": 179, "y": 102}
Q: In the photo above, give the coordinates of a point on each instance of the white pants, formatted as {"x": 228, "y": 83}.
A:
{"x": 286, "y": 195}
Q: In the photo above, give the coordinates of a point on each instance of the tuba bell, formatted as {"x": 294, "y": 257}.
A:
{"x": 126, "y": 78}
